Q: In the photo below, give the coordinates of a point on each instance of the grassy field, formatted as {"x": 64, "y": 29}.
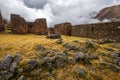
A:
{"x": 25, "y": 46}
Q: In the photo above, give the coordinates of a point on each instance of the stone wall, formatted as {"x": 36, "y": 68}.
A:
{"x": 100, "y": 30}
{"x": 18, "y": 24}
{"x": 40, "y": 26}
{"x": 2, "y": 24}
{"x": 63, "y": 29}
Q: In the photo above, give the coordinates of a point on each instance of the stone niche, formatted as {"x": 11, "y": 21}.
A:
{"x": 63, "y": 29}
{"x": 2, "y": 24}
{"x": 18, "y": 24}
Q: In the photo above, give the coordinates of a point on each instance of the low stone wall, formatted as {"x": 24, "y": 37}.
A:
{"x": 109, "y": 30}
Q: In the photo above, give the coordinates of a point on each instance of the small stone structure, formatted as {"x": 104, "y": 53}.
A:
{"x": 2, "y": 24}
{"x": 20, "y": 26}
{"x": 63, "y": 29}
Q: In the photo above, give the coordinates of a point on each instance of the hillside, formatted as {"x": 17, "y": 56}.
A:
{"x": 111, "y": 13}
{"x": 71, "y": 58}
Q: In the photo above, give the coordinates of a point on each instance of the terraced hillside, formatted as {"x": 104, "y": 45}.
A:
{"x": 33, "y": 57}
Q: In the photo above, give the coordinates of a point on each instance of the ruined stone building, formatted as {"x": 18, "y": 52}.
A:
{"x": 63, "y": 29}
{"x": 20, "y": 26}
{"x": 2, "y": 24}
{"x": 110, "y": 30}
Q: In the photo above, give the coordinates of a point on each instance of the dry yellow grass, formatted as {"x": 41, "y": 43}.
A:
{"x": 24, "y": 44}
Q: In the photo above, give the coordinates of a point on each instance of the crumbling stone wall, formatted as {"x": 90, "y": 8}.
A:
{"x": 2, "y": 24}
{"x": 63, "y": 29}
{"x": 18, "y": 24}
{"x": 110, "y": 30}
{"x": 40, "y": 26}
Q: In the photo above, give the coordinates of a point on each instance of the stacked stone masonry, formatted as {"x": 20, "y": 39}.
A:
{"x": 2, "y": 24}
{"x": 20, "y": 26}
{"x": 110, "y": 30}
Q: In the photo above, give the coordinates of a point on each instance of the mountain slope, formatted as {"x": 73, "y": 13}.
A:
{"x": 111, "y": 13}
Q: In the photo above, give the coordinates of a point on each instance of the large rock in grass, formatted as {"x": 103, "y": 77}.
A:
{"x": 53, "y": 36}
{"x": 18, "y": 24}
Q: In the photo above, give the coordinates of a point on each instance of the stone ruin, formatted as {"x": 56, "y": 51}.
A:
{"x": 2, "y": 23}
{"x": 20, "y": 26}
{"x": 63, "y": 29}
{"x": 110, "y": 30}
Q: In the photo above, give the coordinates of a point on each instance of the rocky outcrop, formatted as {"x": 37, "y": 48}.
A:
{"x": 111, "y": 13}
{"x": 63, "y": 29}
{"x": 18, "y": 24}
{"x": 2, "y": 25}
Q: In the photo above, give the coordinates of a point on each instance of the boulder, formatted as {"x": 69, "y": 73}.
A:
{"x": 53, "y": 36}
{"x": 18, "y": 24}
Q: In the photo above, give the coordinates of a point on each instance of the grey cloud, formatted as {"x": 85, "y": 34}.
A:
{"x": 56, "y": 11}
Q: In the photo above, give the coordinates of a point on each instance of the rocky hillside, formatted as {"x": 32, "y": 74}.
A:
{"x": 112, "y": 13}
{"x": 33, "y": 57}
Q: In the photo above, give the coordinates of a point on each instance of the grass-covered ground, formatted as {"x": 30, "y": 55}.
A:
{"x": 25, "y": 45}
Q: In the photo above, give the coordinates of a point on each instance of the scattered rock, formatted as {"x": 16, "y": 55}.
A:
{"x": 13, "y": 67}
{"x": 60, "y": 59}
{"x": 46, "y": 60}
{"x": 80, "y": 72}
{"x": 39, "y": 47}
{"x": 31, "y": 64}
{"x": 6, "y": 62}
{"x": 71, "y": 60}
{"x": 115, "y": 54}
{"x": 53, "y": 36}
{"x": 105, "y": 40}
{"x": 22, "y": 78}
{"x": 70, "y": 46}
{"x": 93, "y": 57}
{"x": 89, "y": 45}
{"x": 113, "y": 68}
{"x": 81, "y": 57}
{"x": 59, "y": 41}
{"x": 5, "y": 75}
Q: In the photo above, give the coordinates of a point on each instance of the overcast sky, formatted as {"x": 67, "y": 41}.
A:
{"x": 56, "y": 11}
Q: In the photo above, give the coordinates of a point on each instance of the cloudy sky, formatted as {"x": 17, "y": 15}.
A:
{"x": 56, "y": 11}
